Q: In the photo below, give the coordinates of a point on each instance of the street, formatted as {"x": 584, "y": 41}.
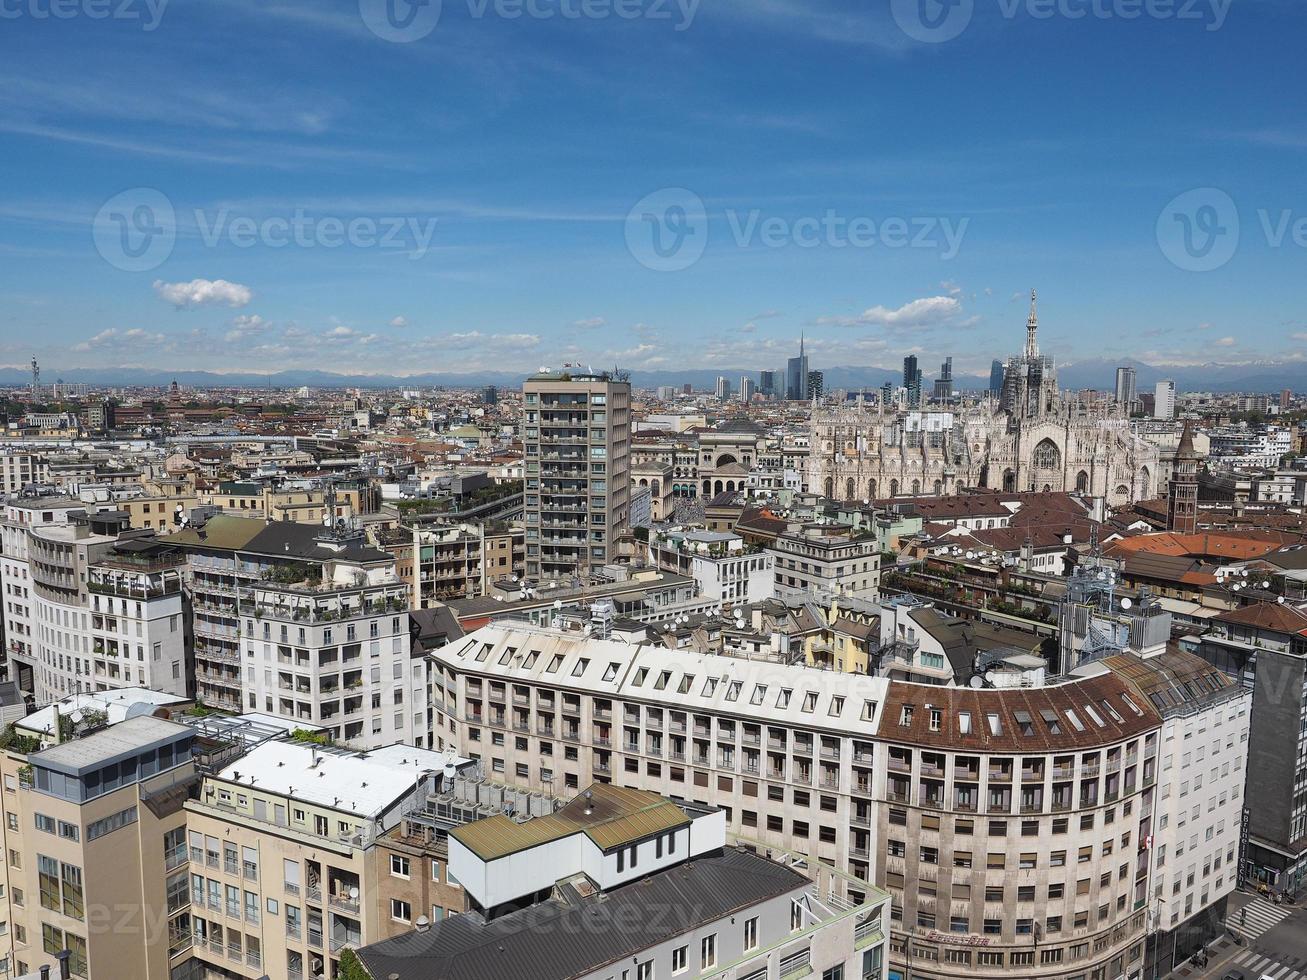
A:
{"x": 1276, "y": 946}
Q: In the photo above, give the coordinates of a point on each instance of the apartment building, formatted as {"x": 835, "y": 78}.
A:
{"x": 95, "y": 857}
{"x": 826, "y": 558}
{"x": 653, "y": 888}
{"x": 285, "y": 864}
{"x": 335, "y": 653}
{"x": 19, "y": 470}
{"x": 1007, "y": 824}
{"x": 1194, "y": 846}
{"x": 89, "y": 606}
{"x": 227, "y": 557}
{"x": 724, "y": 567}
{"x": 1263, "y": 647}
{"x": 576, "y": 432}
{"x": 455, "y": 561}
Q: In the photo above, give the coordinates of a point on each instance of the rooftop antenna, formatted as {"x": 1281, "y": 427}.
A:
{"x": 36, "y": 379}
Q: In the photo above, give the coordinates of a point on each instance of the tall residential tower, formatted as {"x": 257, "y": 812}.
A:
{"x": 576, "y": 430}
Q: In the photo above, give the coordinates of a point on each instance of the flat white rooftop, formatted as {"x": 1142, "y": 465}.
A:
{"x": 365, "y": 784}
{"x": 117, "y": 704}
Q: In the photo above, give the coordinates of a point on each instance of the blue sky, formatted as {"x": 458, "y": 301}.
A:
{"x": 178, "y": 181}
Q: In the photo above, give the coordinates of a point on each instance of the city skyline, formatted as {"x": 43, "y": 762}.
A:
{"x": 462, "y": 260}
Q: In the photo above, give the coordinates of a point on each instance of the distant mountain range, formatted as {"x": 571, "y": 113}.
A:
{"x": 1101, "y": 374}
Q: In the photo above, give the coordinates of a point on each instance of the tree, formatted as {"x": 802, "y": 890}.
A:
{"x": 351, "y": 967}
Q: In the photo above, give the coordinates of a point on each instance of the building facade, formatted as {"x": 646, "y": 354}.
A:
{"x": 1011, "y": 827}
{"x": 576, "y": 432}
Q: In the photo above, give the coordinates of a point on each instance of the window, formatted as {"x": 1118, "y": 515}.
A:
{"x": 400, "y": 910}
{"x": 708, "y": 952}
{"x": 680, "y": 959}
{"x": 399, "y": 866}
{"x": 750, "y": 933}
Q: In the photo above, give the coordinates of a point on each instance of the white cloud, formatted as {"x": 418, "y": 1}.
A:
{"x": 590, "y": 323}
{"x": 1224, "y": 342}
{"x": 244, "y": 326}
{"x": 950, "y": 287}
{"x": 1301, "y": 335}
{"x": 399, "y": 321}
{"x": 113, "y": 338}
{"x": 203, "y": 292}
{"x": 919, "y": 312}
{"x": 497, "y": 341}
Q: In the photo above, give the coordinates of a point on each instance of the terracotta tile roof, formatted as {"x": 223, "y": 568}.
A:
{"x": 1206, "y": 544}
{"x": 1267, "y": 616}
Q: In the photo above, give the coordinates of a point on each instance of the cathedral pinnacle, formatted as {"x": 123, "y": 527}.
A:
{"x": 1032, "y": 325}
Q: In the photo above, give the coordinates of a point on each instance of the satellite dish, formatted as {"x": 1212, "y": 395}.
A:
{"x": 1102, "y": 576}
{"x": 989, "y": 677}
{"x": 970, "y": 555}
{"x": 976, "y": 681}
{"x": 76, "y": 716}
{"x": 1266, "y": 583}
{"x": 1126, "y": 603}
{"x": 558, "y": 603}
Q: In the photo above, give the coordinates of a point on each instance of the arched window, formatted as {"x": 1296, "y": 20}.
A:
{"x": 1009, "y": 481}
{"x": 938, "y": 487}
{"x": 893, "y": 488}
{"x": 871, "y": 489}
{"x": 916, "y": 487}
{"x": 830, "y": 486}
{"x": 1047, "y": 456}
{"x": 849, "y": 492}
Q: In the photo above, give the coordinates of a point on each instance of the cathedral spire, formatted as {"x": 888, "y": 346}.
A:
{"x": 1032, "y": 324}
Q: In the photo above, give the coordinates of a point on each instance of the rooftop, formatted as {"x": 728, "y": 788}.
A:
{"x": 109, "y": 744}
{"x": 117, "y": 704}
{"x": 610, "y": 816}
{"x": 600, "y": 929}
{"x": 365, "y": 784}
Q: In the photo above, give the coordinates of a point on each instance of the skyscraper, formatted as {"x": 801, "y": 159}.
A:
{"x": 1164, "y": 400}
{"x": 747, "y": 389}
{"x": 723, "y": 388}
{"x": 996, "y": 377}
{"x": 576, "y": 433}
{"x": 912, "y": 380}
{"x": 767, "y": 383}
{"x": 944, "y": 383}
{"x": 796, "y": 376}
{"x": 1125, "y": 388}
{"x": 816, "y": 384}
